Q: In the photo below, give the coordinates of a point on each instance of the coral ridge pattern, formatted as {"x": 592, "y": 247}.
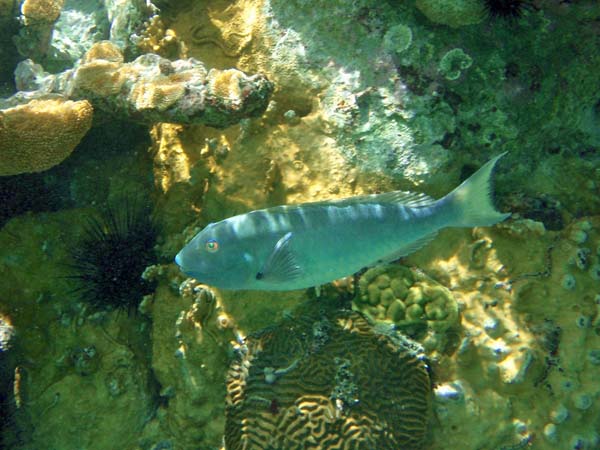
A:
{"x": 326, "y": 382}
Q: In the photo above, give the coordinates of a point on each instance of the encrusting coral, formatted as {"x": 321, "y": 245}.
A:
{"x": 41, "y": 11}
{"x": 153, "y": 89}
{"x": 41, "y": 134}
{"x": 297, "y": 385}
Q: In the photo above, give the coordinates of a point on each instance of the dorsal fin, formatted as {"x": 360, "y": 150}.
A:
{"x": 412, "y": 199}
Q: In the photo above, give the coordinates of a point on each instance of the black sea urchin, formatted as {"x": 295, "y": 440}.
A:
{"x": 506, "y": 9}
{"x": 117, "y": 245}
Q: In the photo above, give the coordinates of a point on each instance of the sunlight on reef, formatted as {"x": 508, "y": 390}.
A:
{"x": 215, "y": 108}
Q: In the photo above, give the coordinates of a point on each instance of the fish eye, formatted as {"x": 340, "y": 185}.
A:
{"x": 211, "y": 246}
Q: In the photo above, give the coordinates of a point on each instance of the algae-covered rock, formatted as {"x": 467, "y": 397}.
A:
{"x": 153, "y": 89}
{"x": 454, "y": 13}
{"x": 73, "y": 371}
{"x": 192, "y": 336}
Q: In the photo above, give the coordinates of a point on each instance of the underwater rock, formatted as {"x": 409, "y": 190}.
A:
{"x": 41, "y": 134}
{"x": 454, "y": 13}
{"x": 153, "y": 89}
{"x": 296, "y": 384}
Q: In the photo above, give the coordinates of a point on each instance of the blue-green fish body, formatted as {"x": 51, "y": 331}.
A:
{"x": 298, "y": 246}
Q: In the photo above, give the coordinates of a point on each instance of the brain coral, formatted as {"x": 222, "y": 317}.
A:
{"x": 326, "y": 381}
{"x": 41, "y": 134}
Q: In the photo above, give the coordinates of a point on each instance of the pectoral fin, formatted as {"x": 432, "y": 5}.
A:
{"x": 281, "y": 265}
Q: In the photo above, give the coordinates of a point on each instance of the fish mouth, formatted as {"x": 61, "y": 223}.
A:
{"x": 202, "y": 277}
{"x": 190, "y": 273}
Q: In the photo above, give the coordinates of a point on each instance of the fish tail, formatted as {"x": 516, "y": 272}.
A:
{"x": 471, "y": 202}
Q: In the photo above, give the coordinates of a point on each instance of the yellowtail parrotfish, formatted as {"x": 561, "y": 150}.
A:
{"x": 298, "y": 246}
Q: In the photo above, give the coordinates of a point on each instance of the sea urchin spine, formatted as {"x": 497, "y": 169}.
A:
{"x": 117, "y": 245}
{"x": 506, "y": 9}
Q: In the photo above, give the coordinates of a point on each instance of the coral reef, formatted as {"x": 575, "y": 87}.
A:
{"x": 388, "y": 95}
{"x": 38, "y": 18}
{"x": 152, "y": 89}
{"x": 57, "y": 33}
{"x": 41, "y": 134}
{"x": 296, "y": 384}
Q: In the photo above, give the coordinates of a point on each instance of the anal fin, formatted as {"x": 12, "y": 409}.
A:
{"x": 408, "y": 248}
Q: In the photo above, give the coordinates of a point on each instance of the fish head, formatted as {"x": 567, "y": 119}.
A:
{"x": 216, "y": 256}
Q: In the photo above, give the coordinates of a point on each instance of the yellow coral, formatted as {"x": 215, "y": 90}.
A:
{"x": 159, "y": 96}
{"x": 41, "y": 10}
{"x": 41, "y": 134}
{"x": 156, "y": 38}
{"x": 225, "y": 84}
{"x": 99, "y": 77}
{"x": 105, "y": 50}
